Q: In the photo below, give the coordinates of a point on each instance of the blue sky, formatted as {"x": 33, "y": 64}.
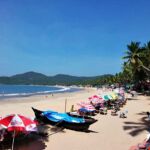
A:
{"x": 76, "y": 37}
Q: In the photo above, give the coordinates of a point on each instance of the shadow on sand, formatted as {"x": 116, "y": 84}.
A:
{"x": 91, "y": 131}
{"x": 32, "y": 141}
{"x": 136, "y": 128}
{"x": 55, "y": 130}
{"x": 26, "y": 142}
{"x": 130, "y": 99}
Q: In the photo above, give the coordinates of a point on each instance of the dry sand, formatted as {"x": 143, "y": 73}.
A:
{"x": 110, "y": 132}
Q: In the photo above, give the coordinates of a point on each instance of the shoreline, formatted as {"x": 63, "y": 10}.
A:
{"x": 43, "y": 97}
{"x": 120, "y": 134}
{"x": 62, "y": 89}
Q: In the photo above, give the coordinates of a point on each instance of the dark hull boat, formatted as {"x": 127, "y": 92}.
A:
{"x": 65, "y": 120}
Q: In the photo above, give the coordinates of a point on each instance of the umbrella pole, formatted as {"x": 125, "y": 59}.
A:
{"x": 13, "y": 140}
{"x": 65, "y": 104}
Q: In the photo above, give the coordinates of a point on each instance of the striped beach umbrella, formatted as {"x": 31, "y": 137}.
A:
{"x": 18, "y": 123}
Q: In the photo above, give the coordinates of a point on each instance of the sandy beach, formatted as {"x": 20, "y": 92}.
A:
{"x": 110, "y": 132}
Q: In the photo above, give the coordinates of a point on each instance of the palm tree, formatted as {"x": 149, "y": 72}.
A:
{"x": 135, "y": 56}
{"x": 132, "y": 55}
{"x": 127, "y": 72}
{"x": 146, "y": 59}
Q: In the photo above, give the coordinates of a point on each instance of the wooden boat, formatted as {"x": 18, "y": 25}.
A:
{"x": 69, "y": 121}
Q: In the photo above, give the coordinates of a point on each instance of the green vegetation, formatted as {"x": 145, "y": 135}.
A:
{"x": 136, "y": 66}
{"x": 135, "y": 70}
{"x": 41, "y": 79}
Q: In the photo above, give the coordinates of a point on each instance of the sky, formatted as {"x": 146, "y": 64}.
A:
{"x": 75, "y": 37}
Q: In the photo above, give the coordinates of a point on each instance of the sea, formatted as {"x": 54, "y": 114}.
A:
{"x": 9, "y": 91}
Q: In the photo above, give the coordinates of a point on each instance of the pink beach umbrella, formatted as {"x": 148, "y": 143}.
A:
{"x": 88, "y": 106}
{"x": 96, "y": 99}
{"x": 83, "y": 104}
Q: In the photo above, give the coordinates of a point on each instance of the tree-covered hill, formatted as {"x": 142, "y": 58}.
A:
{"x": 61, "y": 79}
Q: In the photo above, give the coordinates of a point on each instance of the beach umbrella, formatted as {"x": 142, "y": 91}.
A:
{"x": 122, "y": 92}
{"x": 2, "y": 131}
{"x": 105, "y": 97}
{"x": 116, "y": 90}
{"x": 18, "y": 123}
{"x": 121, "y": 97}
{"x": 110, "y": 97}
{"x": 87, "y": 106}
{"x": 96, "y": 99}
{"x": 114, "y": 95}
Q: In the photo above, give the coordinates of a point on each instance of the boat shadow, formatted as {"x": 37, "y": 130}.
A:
{"x": 131, "y": 99}
{"x": 136, "y": 128}
{"x": 90, "y": 131}
{"x": 56, "y": 130}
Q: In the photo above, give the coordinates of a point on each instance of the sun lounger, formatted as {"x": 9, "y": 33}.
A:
{"x": 123, "y": 114}
{"x": 103, "y": 111}
{"x": 114, "y": 112}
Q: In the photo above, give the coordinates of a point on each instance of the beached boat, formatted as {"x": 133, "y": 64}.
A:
{"x": 65, "y": 120}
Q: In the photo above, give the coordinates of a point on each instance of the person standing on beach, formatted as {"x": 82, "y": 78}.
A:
{"x": 148, "y": 115}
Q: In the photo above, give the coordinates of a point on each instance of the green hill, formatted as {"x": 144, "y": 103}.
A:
{"x": 41, "y": 79}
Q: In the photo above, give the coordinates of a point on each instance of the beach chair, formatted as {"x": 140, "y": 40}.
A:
{"x": 123, "y": 114}
{"x": 103, "y": 111}
{"x": 116, "y": 107}
{"x": 114, "y": 112}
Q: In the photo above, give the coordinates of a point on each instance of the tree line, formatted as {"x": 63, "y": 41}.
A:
{"x": 135, "y": 69}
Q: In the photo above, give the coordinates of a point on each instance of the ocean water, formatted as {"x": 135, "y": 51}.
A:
{"x": 28, "y": 90}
